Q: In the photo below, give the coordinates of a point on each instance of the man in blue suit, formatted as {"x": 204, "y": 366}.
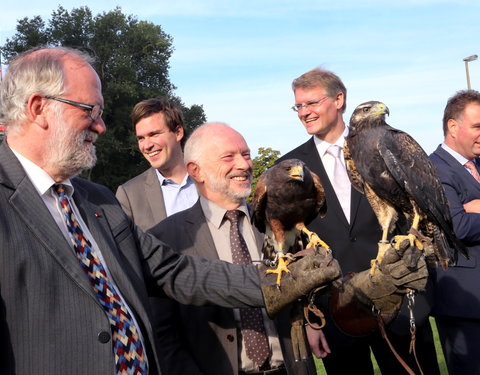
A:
{"x": 457, "y": 295}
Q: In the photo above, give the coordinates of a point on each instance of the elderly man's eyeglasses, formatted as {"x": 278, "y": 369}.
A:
{"x": 95, "y": 110}
{"x": 298, "y": 107}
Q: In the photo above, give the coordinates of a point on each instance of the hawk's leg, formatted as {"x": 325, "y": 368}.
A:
{"x": 281, "y": 265}
{"x": 313, "y": 238}
{"x": 383, "y": 245}
{"x": 386, "y": 215}
{"x": 414, "y": 241}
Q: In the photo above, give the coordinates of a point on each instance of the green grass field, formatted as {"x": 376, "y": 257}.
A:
{"x": 438, "y": 347}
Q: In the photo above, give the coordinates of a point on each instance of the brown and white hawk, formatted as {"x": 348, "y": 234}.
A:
{"x": 287, "y": 197}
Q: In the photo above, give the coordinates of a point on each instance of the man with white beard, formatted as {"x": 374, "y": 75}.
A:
{"x": 211, "y": 339}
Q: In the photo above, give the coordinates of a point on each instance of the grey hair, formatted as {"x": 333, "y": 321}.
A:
{"x": 196, "y": 142}
{"x": 38, "y": 70}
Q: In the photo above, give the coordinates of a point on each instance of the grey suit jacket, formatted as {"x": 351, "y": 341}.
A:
{"x": 51, "y": 322}
{"x": 209, "y": 333}
{"x": 142, "y": 199}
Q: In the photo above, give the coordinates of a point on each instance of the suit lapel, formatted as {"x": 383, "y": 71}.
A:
{"x": 313, "y": 160}
{"x": 129, "y": 279}
{"x": 199, "y": 233}
{"x": 453, "y": 163}
{"x": 153, "y": 191}
{"x": 31, "y": 209}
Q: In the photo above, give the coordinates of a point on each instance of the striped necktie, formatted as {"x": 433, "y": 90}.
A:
{"x": 128, "y": 349}
{"x": 253, "y": 329}
{"x": 473, "y": 170}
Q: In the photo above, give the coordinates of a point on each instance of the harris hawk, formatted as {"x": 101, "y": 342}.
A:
{"x": 398, "y": 178}
{"x": 287, "y": 197}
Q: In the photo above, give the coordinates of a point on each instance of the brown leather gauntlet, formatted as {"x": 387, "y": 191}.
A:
{"x": 363, "y": 296}
{"x": 317, "y": 268}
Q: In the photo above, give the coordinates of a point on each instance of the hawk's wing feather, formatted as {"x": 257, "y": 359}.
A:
{"x": 259, "y": 202}
{"x": 355, "y": 178}
{"x": 411, "y": 168}
{"x": 321, "y": 203}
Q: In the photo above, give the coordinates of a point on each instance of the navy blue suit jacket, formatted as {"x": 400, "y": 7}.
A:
{"x": 457, "y": 292}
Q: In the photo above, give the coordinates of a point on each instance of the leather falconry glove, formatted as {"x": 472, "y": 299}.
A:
{"x": 353, "y": 307}
{"x": 310, "y": 269}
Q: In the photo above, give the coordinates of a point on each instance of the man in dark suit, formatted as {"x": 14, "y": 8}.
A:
{"x": 75, "y": 273}
{"x": 164, "y": 188}
{"x": 457, "y": 296}
{"x": 218, "y": 159}
{"x": 352, "y": 230}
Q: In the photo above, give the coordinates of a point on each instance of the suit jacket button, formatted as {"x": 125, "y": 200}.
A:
{"x": 353, "y": 239}
{"x": 104, "y": 337}
{"x": 230, "y": 338}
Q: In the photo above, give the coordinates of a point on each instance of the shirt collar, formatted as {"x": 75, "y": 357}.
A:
{"x": 40, "y": 179}
{"x": 458, "y": 157}
{"x": 322, "y": 146}
{"x": 164, "y": 181}
{"x": 215, "y": 214}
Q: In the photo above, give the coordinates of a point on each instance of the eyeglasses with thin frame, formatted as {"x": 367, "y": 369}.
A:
{"x": 95, "y": 110}
{"x": 298, "y": 107}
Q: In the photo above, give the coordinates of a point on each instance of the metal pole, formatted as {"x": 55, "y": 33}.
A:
{"x": 468, "y": 75}
{"x": 467, "y": 60}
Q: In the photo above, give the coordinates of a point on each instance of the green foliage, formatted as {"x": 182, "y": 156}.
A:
{"x": 265, "y": 159}
{"x": 132, "y": 61}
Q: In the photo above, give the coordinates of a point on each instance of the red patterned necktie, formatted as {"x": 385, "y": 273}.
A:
{"x": 473, "y": 170}
{"x": 127, "y": 346}
{"x": 253, "y": 329}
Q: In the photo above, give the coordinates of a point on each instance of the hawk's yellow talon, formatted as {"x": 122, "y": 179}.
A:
{"x": 382, "y": 248}
{"x": 281, "y": 267}
{"x": 314, "y": 239}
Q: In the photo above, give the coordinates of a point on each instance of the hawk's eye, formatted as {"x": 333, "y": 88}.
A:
{"x": 366, "y": 109}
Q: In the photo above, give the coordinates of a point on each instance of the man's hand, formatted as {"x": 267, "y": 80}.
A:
{"x": 316, "y": 269}
{"x": 317, "y": 341}
{"x": 472, "y": 207}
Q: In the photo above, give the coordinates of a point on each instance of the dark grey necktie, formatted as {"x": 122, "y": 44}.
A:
{"x": 253, "y": 329}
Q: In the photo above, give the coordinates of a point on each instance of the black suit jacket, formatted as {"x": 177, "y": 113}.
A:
{"x": 457, "y": 293}
{"x": 209, "y": 333}
{"x": 51, "y": 322}
{"x": 354, "y": 244}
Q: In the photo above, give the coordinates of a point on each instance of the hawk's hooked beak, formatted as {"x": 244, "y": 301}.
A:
{"x": 296, "y": 172}
{"x": 381, "y": 109}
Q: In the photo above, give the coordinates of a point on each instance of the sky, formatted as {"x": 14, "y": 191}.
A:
{"x": 238, "y": 58}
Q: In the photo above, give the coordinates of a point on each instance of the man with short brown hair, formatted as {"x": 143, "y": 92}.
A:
{"x": 457, "y": 296}
{"x": 164, "y": 188}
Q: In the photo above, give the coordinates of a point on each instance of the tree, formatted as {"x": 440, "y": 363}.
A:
{"x": 265, "y": 159}
{"x": 132, "y": 61}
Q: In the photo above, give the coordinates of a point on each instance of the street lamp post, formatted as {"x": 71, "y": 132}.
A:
{"x": 467, "y": 60}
